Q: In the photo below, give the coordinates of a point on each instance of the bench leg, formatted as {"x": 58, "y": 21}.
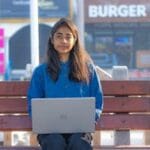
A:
{"x": 97, "y": 138}
{"x": 33, "y": 139}
{"x": 7, "y": 138}
{"x": 147, "y": 137}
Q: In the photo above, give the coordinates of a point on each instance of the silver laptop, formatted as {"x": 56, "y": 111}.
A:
{"x": 63, "y": 115}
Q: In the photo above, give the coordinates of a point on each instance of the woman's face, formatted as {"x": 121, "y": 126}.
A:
{"x": 63, "y": 41}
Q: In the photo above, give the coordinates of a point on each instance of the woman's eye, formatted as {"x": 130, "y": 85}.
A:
{"x": 68, "y": 38}
{"x": 59, "y": 37}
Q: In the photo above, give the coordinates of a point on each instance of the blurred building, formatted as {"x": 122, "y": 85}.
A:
{"x": 118, "y": 33}
{"x": 15, "y": 23}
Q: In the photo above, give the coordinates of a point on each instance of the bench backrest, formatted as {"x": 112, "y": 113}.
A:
{"x": 126, "y": 105}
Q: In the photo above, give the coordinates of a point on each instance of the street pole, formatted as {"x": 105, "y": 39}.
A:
{"x": 34, "y": 33}
{"x": 80, "y": 19}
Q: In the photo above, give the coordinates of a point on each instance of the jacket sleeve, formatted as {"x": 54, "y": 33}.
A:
{"x": 36, "y": 88}
{"x": 96, "y": 91}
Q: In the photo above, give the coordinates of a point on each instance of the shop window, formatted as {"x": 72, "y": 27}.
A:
{"x": 103, "y": 44}
{"x": 103, "y": 52}
{"x": 124, "y": 50}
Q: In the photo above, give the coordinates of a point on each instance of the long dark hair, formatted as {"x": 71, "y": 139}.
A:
{"x": 78, "y": 58}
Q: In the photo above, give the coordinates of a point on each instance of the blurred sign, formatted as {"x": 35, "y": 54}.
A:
{"x": 1, "y": 38}
{"x": 2, "y": 63}
{"x": 143, "y": 59}
{"x": 116, "y": 11}
{"x": 16, "y": 9}
{"x": 139, "y": 74}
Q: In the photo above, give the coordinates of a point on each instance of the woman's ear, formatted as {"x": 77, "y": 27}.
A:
{"x": 75, "y": 40}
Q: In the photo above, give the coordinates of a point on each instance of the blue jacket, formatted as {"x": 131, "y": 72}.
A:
{"x": 42, "y": 85}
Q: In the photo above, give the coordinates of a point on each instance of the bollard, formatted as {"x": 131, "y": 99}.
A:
{"x": 28, "y": 72}
{"x": 120, "y": 73}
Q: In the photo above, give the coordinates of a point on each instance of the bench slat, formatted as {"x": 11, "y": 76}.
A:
{"x": 127, "y": 104}
{"x": 124, "y": 147}
{"x": 95, "y": 148}
{"x": 112, "y": 104}
{"x": 107, "y": 122}
{"x": 15, "y": 122}
{"x": 13, "y": 105}
{"x": 124, "y": 121}
{"x": 19, "y": 148}
{"x": 13, "y": 88}
{"x": 128, "y": 87}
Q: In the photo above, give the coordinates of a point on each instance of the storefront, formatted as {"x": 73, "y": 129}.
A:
{"x": 118, "y": 32}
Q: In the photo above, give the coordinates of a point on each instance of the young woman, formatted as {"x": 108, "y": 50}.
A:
{"x": 67, "y": 72}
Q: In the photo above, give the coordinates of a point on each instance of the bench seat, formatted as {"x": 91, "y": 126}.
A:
{"x": 126, "y": 107}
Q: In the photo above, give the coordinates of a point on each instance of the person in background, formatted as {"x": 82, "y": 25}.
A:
{"x": 67, "y": 72}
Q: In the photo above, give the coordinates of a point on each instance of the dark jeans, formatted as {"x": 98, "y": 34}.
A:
{"x": 76, "y": 141}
